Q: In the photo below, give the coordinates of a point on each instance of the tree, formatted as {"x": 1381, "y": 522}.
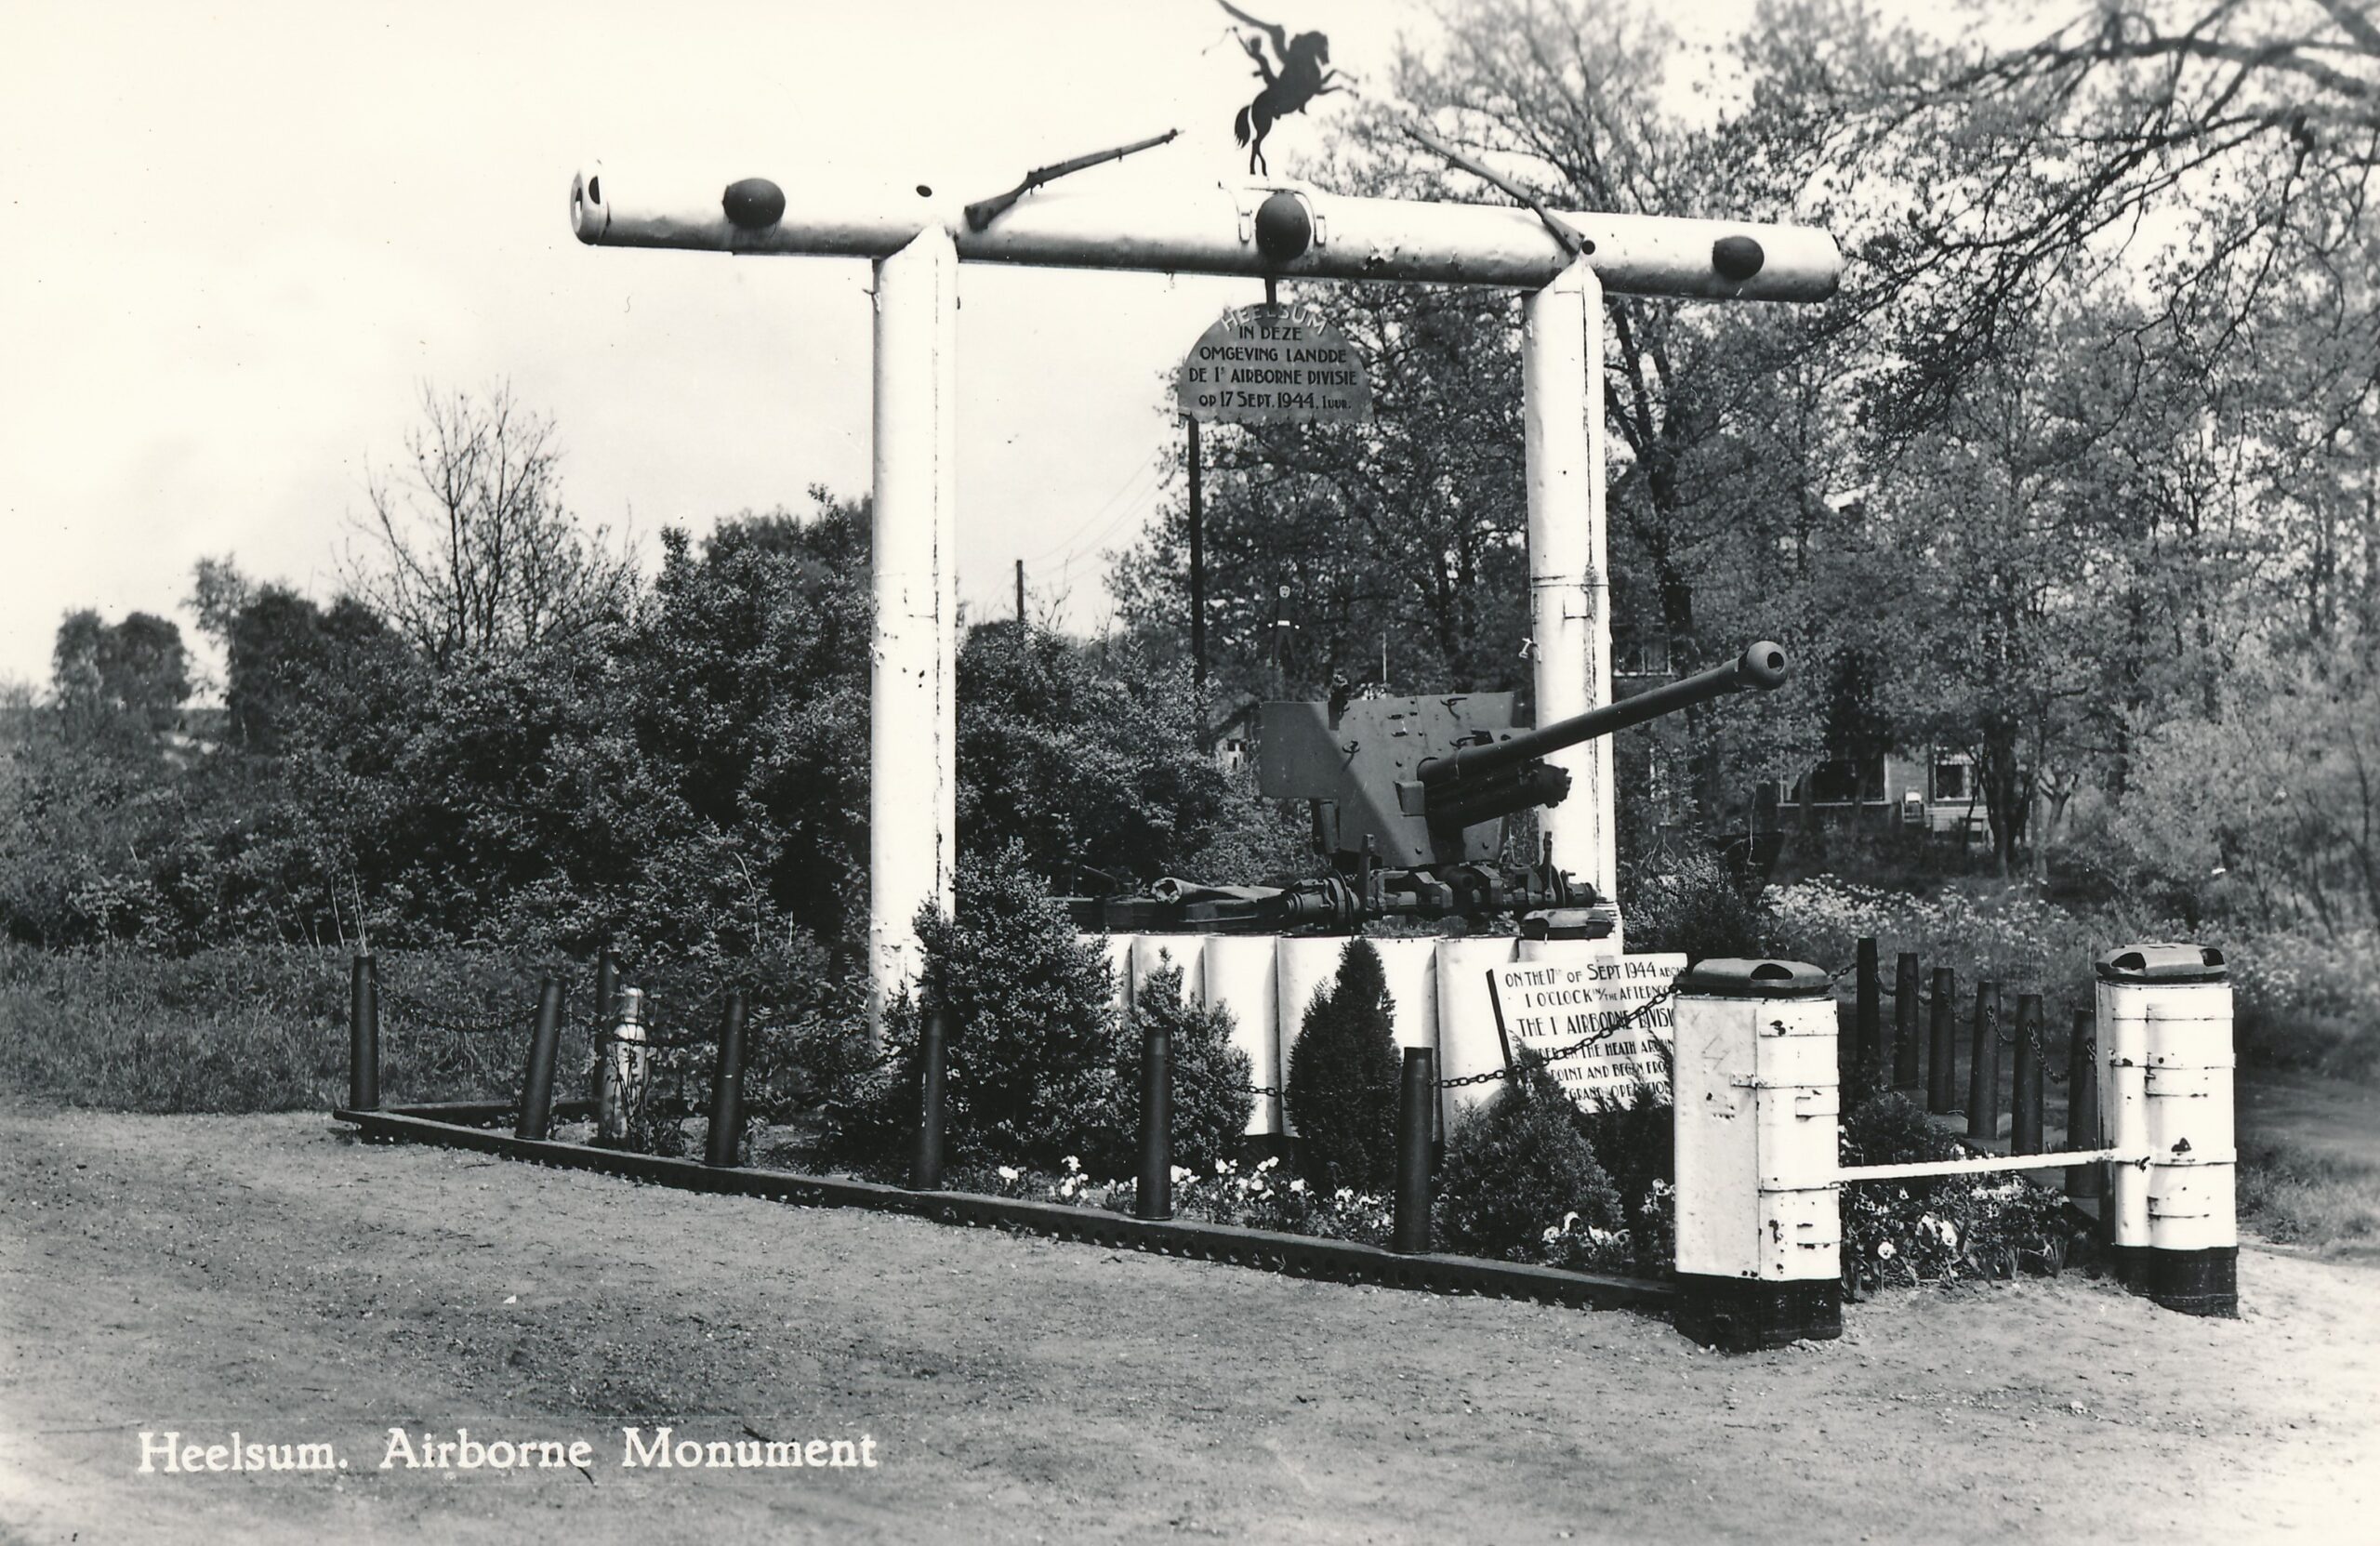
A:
{"x": 745, "y": 679}
{"x": 133, "y": 673}
{"x": 471, "y": 550}
{"x": 1212, "y": 1100}
{"x": 1088, "y": 758}
{"x": 2229, "y": 147}
{"x": 1358, "y": 550}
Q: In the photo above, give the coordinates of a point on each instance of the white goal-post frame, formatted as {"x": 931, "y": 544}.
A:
{"x": 916, "y": 241}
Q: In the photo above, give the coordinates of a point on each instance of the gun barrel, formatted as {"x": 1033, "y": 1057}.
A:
{"x": 1760, "y": 667}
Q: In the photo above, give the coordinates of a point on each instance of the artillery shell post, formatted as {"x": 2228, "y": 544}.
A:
{"x": 725, "y": 1137}
{"x": 623, "y": 1064}
{"x": 2025, "y": 1116}
{"x": 1417, "y": 1097}
{"x": 607, "y": 993}
{"x": 538, "y": 1079}
{"x": 925, "y": 1174}
{"x": 1905, "y": 1038}
{"x": 1942, "y": 1051}
{"x": 1869, "y": 1021}
{"x": 1153, "y": 1197}
{"x": 362, "y": 1034}
{"x": 1983, "y": 1064}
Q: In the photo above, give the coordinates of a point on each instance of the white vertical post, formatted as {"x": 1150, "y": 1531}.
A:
{"x": 1568, "y": 559}
{"x": 913, "y": 725}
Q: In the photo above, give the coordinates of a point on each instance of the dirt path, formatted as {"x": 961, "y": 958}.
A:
{"x": 272, "y": 1275}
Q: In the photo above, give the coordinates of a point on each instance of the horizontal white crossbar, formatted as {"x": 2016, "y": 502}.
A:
{"x": 1211, "y": 229}
{"x": 1987, "y": 1165}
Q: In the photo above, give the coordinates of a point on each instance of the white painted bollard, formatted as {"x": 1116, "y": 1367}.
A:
{"x": 622, "y": 1093}
{"x": 2165, "y": 1014}
{"x": 1307, "y": 968}
{"x": 1241, "y": 976}
{"x": 1759, "y": 1220}
{"x": 1467, "y": 1041}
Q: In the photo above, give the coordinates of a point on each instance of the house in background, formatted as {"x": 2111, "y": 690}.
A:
{"x": 1932, "y": 791}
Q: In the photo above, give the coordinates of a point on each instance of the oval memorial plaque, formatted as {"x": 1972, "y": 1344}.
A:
{"x": 1273, "y": 364}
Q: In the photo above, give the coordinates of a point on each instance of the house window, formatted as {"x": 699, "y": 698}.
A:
{"x": 1952, "y": 781}
{"x": 1842, "y": 780}
{"x": 1641, "y": 656}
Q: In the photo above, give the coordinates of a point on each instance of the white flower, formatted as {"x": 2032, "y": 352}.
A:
{"x": 1884, "y": 1250}
{"x": 1071, "y": 1163}
{"x": 1297, "y": 1186}
{"x": 1222, "y": 1167}
{"x": 1346, "y": 1194}
{"x": 1569, "y": 1219}
{"x": 1270, "y": 1163}
{"x": 1180, "y": 1176}
{"x": 1009, "y": 1173}
{"x": 1552, "y": 1234}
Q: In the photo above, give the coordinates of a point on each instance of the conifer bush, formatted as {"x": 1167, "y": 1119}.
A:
{"x": 1212, "y": 1100}
{"x": 1343, "y": 1077}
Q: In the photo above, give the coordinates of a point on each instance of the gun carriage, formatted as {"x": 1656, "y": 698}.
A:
{"x": 1411, "y": 796}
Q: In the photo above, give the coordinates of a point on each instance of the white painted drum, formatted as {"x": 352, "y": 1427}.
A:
{"x": 1186, "y": 951}
{"x": 2166, "y": 1091}
{"x": 1411, "y": 966}
{"x": 1307, "y": 968}
{"x": 1467, "y": 1042}
{"x": 1118, "y": 948}
{"x": 1757, "y": 1115}
{"x": 1239, "y": 976}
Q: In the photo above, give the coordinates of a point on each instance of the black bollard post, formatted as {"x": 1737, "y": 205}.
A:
{"x": 1153, "y": 1198}
{"x": 362, "y": 1034}
{"x": 1942, "y": 1055}
{"x": 1868, "y": 1017}
{"x": 726, "y": 1136}
{"x": 2024, "y": 1118}
{"x": 1905, "y": 994}
{"x": 2082, "y": 1106}
{"x": 1983, "y": 1064}
{"x": 1416, "y": 1094}
{"x": 537, "y": 1080}
{"x": 926, "y": 1175}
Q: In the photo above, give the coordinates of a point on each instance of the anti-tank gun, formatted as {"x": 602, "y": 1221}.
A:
{"x": 1410, "y": 796}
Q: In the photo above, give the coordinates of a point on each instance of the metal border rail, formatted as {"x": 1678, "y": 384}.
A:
{"x": 448, "y": 1124}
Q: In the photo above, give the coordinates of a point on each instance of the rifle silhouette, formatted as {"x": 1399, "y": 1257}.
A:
{"x": 984, "y": 211}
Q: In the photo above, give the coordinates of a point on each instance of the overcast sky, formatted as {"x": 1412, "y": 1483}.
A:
{"x": 237, "y": 239}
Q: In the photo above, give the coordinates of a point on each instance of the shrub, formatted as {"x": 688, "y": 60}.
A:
{"x": 1212, "y": 1100}
{"x": 1343, "y": 1077}
{"x": 1940, "y": 1228}
{"x": 1521, "y": 1178}
{"x": 1634, "y": 1136}
{"x": 1690, "y": 902}
{"x": 1032, "y": 1045}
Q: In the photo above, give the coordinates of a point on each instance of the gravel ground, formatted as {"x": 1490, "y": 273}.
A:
{"x": 274, "y": 1276}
